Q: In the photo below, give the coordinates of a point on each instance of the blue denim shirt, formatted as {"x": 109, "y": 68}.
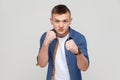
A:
{"x": 74, "y": 71}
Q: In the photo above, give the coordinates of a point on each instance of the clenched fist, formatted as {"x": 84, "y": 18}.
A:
{"x": 71, "y": 46}
{"x": 50, "y": 36}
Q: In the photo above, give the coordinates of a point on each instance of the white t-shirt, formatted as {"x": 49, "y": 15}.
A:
{"x": 61, "y": 68}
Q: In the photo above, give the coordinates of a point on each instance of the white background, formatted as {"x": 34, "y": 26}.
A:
{"x": 22, "y": 22}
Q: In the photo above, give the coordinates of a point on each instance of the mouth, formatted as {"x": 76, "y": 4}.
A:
{"x": 61, "y": 30}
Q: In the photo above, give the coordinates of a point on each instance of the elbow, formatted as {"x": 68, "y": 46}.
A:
{"x": 41, "y": 62}
{"x": 41, "y": 65}
{"x": 84, "y": 69}
{"x": 85, "y": 66}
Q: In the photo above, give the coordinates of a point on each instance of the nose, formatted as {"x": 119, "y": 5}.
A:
{"x": 61, "y": 24}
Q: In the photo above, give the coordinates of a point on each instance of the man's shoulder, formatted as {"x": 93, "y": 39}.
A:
{"x": 75, "y": 32}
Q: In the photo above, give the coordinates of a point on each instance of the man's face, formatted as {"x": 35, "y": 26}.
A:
{"x": 61, "y": 23}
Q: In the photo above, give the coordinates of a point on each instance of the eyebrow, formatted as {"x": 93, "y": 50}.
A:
{"x": 62, "y": 20}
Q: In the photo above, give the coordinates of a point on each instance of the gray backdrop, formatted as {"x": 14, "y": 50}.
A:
{"x": 23, "y": 21}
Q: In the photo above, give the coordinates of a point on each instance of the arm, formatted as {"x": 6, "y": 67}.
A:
{"x": 43, "y": 53}
{"x": 82, "y": 61}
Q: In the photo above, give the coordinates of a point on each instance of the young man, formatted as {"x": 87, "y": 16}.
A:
{"x": 63, "y": 48}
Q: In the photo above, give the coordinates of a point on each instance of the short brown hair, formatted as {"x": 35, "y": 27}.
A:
{"x": 60, "y": 9}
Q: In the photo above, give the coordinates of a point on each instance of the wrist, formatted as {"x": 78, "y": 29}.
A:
{"x": 78, "y": 52}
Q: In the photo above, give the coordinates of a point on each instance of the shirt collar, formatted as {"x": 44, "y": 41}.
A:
{"x": 70, "y": 33}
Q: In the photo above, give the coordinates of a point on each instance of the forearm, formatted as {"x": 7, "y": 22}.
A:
{"x": 82, "y": 62}
{"x": 43, "y": 56}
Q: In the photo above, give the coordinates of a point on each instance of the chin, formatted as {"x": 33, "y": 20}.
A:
{"x": 61, "y": 34}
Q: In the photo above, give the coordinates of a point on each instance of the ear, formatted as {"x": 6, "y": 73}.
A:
{"x": 51, "y": 20}
{"x": 70, "y": 20}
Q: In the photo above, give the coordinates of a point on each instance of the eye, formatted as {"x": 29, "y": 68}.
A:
{"x": 65, "y": 21}
{"x": 57, "y": 21}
